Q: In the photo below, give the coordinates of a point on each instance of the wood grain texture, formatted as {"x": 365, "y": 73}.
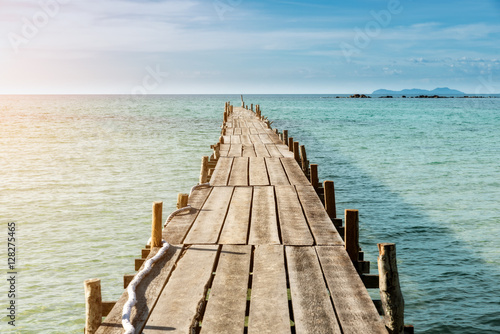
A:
{"x": 269, "y": 300}
{"x": 261, "y": 150}
{"x": 208, "y": 224}
{"x": 220, "y": 177}
{"x": 258, "y": 172}
{"x": 294, "y": 172}
{"x": 235, "y": 150}
{"x": 239, "y": 172}
{"x": 264, "y": 224}
{"x": 177, "y": 308}
{"x": 273, "y": 151}
{"x": 312, "y": 309}
{"x": 294, "y": 228}
{"x": 277, "y": 175}
{"x": 225, "y": 312}
{"x": 354, "y": 307}
{"x": 235, "y": 228}
{"x": 322, "y": 228}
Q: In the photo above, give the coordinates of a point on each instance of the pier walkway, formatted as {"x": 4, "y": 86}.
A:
{"x": 256, "y": 253}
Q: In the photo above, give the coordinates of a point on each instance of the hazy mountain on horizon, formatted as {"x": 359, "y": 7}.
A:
{"x": 416, "y": 91}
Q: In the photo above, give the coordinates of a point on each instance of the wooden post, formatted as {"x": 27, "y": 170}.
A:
{"x": 93, "y": 305}
{"x": 204, "y": 170}
{"x": 285, "y": 137}
{"x": 296, "y": 152}
{"x": 251, "y": 106}
{"x": 217, "y": 151}
{"x": 290, "y": 144}
{"x": 242, "y": 102}
{"x": 314, "y": 176}
{"x": 156, "y": 225}
{"x": 329, "y": 191}
{"x": 304, "y": 161}
{"x": 182, "y": 200}
{"x": 390, "y": 292}
{"x": 351, "y": 236}
{"x": 225, "y": 117}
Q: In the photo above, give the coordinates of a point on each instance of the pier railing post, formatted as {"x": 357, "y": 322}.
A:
{"x": 390, "y": 291}
{"x": 204, "y": 170}
{"x": 329, "y": 193}
{"x": 285, "y": 137}
{"x": 290, "y": 144}
{"x": 182, "y": 200}
{"x": 296, "y": 152}
{"x": 314, "y": 176}
{"x": 304, "y": 161}
{"x": 351, "y": 236}
{"x": 156, "y": 225}
{"x": 93, "y": 305}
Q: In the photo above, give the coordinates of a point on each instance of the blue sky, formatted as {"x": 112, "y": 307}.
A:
{"x": 243, "y": 46}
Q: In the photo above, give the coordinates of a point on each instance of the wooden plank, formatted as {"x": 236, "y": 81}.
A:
{"x": 312, "y": 308}
{"x": 255, "y": 139}
{"x": 261, "y": 150}
{"x": 235, "y": 139}
{"x": 269, "y": 300}
{"x": 253, "y": 130}
{"x": 237, "y": 131}
{"x": 235, "y": 150}
{"x": 264, "y": 223}
{"x": 239, "y": 172}
{"x": 209, "y": 222}
{"x": 147, "y": 292}
{"x": 245, "y": 131}
{"x": 285, "y": 151}
{"x": 354, "y": 307}
{"x": 265, "y": 138}
{"x": 245, "y": 139}
{"x": 294, "y": 228}
{"x": 248, "y": 151}
{"x": 277, "y": 175}
{"x": 258, "y": 172}
{"x": 225, "y": 312}
{"x": 322, "y": 228}
{"x": 274, "y": 137}
{"x": 235, "y": 230}
{"x": 220, "y": 177}
{"x": 225, "y": 147}
{"x": 226, "y": 139}
{"x": 294, "y": 172}
{"x": 176, "y": 230}
{"x": 273, "y": 151}
{"x": 177, "y": 307}
{"x": 229, "y": 131}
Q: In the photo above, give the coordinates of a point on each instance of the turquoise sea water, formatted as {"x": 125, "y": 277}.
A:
{"x": 79, "y": 174}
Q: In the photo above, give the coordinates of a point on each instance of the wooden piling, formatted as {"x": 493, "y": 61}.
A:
{"x": 93, "y": 305}
{"x": 304, "y": 161}
{"x": 314, "y": 176}
{"x": 290, "y": 144}
{"x": 390, "y": 291}
{"x": 204, "y": 170}
{"x": 251, "y": 106}
{"x": 285, "y": 137}
{"x": 351, "y": 236}
{"x": 182, "y": 200}
{"x": 217, "y": 151}
{"x": 225, "y": 117}
{"x": 156, "y": 225}
{"x": 296, "y": 152}
{"x": 329, "y": 192}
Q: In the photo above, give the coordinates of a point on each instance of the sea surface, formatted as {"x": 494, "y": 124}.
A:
{"x": 78, "y": 175}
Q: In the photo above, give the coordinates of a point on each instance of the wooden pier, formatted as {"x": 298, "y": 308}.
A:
{"x": 257, "y": 252}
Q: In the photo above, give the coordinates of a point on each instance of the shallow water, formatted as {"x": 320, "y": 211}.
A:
{"x": 79, "y": 174}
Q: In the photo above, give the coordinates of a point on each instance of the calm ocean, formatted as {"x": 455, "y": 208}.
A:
{"x": 79, "y": 174}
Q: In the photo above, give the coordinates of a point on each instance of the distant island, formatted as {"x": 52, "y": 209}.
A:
{"x": 416, "y": 91}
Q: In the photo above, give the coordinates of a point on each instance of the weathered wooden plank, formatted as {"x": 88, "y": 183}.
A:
{"x": 176, "y": 230}
{"x": 147, "y": 292}
{"x": 273, "y": 151}
{"x": 277, "y": 175}
{"x": 226, "y": 139}
{"x": 235, "y": 139}
{"x": 209, "y": 222}
{"x": 261, "y": 150}
{"x": 269, "y": 299}
{"x": 322, "y": 228}
{"x": 255, "y": 139}
{"x": 294, "y": 172}
{"x": 264, "y": 223}
{"x": 354, "y": 307}
{"x": 225, "y": 312}
{"x": 312, "y": 308}
{"x": 245, "y": 131}
{"x": 177, "y": 307}
{"x": 235, "y": 150}
{"x": 235, "y": 230}
{"x": 225, "y": 147}
{"x": 264, "y": 137}
{"x": 258, "y": 172}
{"x": 285, "y": 151}
{"x": 294, "y": 228}
{"x": 220, "y": 177}
{"x": 237, "y": 131}
{"x": 245, "y": 139}
{"x": 248, "y": 151}
{"x": 274, "y": 137}
{"x": 239, "y": 172}
{"x": 253, "y": 130}
{"x": 229, "y": 131}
